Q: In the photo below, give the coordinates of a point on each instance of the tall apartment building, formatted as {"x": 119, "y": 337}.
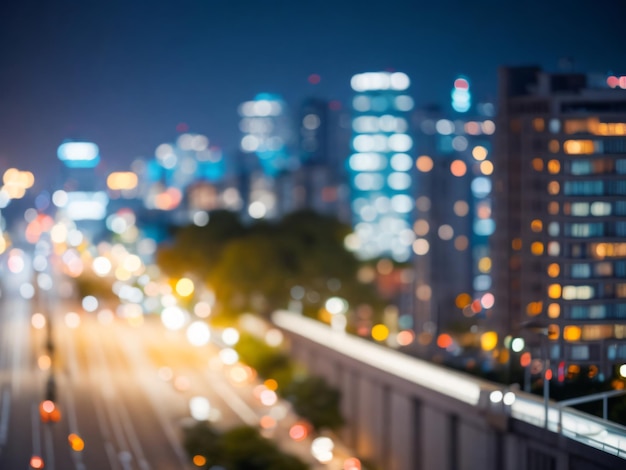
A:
{"x": 559, "y": 248}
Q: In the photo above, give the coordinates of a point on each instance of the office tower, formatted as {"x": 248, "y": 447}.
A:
{"x": 380, "y": 169}
{"x": 83, "y": 201}
{"x": 452, "y": 264}
{"x": 267, "y": 134}
{"x": 560, "y": 209}
{"x": 319, "y": 182}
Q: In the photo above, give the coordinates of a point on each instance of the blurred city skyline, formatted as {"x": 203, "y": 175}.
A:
{"x": 124, "y": 76}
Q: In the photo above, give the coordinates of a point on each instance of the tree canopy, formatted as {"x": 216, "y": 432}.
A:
{"x": 255, "y": 267}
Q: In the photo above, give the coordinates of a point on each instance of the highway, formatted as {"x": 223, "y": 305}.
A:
{"x": 123, "y": 387}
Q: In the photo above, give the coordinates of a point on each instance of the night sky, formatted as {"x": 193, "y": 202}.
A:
{"x": 124, "y": 73}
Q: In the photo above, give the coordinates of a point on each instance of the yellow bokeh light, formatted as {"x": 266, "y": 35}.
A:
{"x": 463, "y": 300}
{"x": 554, "y": 166}
{"x": 380, "y": 332}
{"x": 572, "y": 333}
{"x": 120, "y": 180}
{"x": 271, "y": 384}
{"x": 536, "y": 248}
{"x": 199, "y": 460}
{"x": 489, "y": 340}
{"x": 76, "y": 443}
{"x": 184, "y": 287}
{"x": 554, "y": 291}
{"x": 537, "y": 164}
{"x": 484, "y": 265}
{"x": 486, "y": 167}
{"x": 536, "y": 225}
{"x": 479, "y": 152}
{"x": 534, "y": 308}
{"x": 579, "y": 147}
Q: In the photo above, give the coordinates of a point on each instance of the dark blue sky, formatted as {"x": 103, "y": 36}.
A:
{"x": 124, "y": 73}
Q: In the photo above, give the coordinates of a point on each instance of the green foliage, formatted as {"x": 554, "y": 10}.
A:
{"x": 240, "y": 448}
{"x": 254, "y": 268}
{"x": 316, "y": 401}
{"x": 269, "y": 362}
{"x": 198, "y": 249}
{"x": 202, "y": 439}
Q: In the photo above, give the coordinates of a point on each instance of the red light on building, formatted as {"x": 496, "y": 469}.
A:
{"x": 461, "y": 84}
{"x": 314, "y": 79}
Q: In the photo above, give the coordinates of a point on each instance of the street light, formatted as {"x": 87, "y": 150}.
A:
{"x": 540, "y": 328}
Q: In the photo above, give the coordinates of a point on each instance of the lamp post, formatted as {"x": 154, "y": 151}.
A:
{"x": 541, "y": 328}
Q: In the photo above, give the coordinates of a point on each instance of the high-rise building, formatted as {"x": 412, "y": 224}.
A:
{"x": 452, "y": 264}
{"x": 267, "y": 132}
{"x": 380, "y": 169}
{"x": 560, "y": 208}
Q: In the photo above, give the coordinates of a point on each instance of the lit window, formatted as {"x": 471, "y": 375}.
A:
{"x": 537, "y": 164}
{"x": 534, "y": 308}
{"x": 554, "y": 270}
{"x": 516, "y": 244}
{"x": 539, "y": 124}
{"x": 578, "y": 147}
{"x": 571, "y": 333}
{"x": 536, "y": 248}
{"x": 554, "y": 291}
{"x": 554, "y": 310}
{"x": 484, "y": 264}
{"x": 553, "y": 229}
{"x": 553, "y": 188}
{"x": 553, "y": 332}
{"x": 554, "y": 248}
{"x": 554, "y": 166}
{"x": 553, "y": 146}
{"x": 536, "y": 225}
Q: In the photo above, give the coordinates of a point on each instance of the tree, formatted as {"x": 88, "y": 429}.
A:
{"x": 240, "y": 448}
{"x": 316, "y": 401}
{"x": 198, "y": 249}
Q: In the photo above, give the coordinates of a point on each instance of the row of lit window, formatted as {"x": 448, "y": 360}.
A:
{"x": 382, "y": 143}
{"x": 585, "y": 292}
{"x": 597, "y": 166}
{"x": 382, "y": 103}
{"x": 587, "y": 270}
{"x": 421, "y": 246}
{"x": 594, "y": 126}
{"x": 458, "y": 168}
{"x": 588, "y": 147}
{"x": 372, "y": 161}
{"x": 588, "y": 188}
{"x": 580, "y": 311}
{"x": 447, "y": 127}
{"x": 376, "y": 181}
{"x": 374, "y": 124}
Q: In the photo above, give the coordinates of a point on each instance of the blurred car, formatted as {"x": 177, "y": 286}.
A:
{"x": 49, "y": 412}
